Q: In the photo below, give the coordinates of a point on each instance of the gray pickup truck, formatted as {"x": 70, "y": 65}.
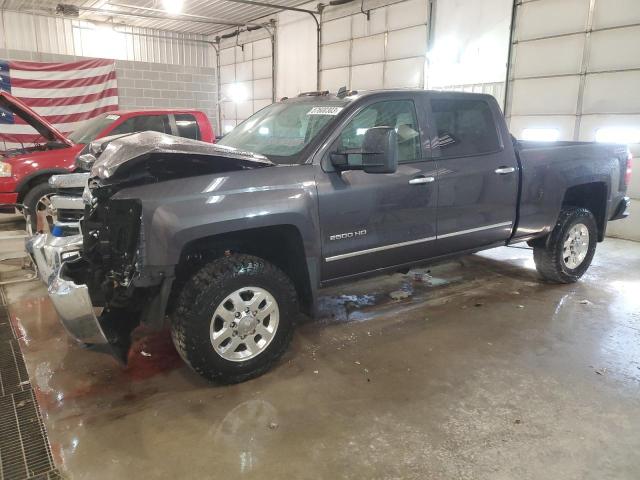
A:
{"x": 227, "y": 243}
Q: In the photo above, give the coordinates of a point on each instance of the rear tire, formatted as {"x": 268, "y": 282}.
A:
{"x": 566, "y": 253}
{"x": 209, "y": 323}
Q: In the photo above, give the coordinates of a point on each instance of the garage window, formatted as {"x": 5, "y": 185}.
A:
{"x": 187, "y": 126}
{"x": 400, "y": 115}
{"x": 464, "y": 127}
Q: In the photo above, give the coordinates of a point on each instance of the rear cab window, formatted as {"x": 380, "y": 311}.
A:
{"x": 187, "y": 126}
{"x": 142, "y": 123}
{"x": 464, "y": 127}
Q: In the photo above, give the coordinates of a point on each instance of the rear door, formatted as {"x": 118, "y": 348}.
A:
{"x": 477, "y": 176}
{"x": 371, "y": 221}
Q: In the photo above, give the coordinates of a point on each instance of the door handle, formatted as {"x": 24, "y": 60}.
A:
{"x": 421, "y": 180}
{"x": 504, "y": 170}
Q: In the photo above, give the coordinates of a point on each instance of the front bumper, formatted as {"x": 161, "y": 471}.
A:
{"x": 48, "y": 252}
{"x": 7, "y": 202}
{"x": 9, "y": 197}
{"x": 74, "y": 307}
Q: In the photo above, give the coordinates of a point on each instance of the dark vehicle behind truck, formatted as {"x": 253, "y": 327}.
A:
{"x": 231, "y": 241}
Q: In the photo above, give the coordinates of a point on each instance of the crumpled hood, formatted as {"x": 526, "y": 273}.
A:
{"x": 153, "y": 150}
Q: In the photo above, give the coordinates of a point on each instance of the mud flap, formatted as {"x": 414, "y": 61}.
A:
{"x": 117, "y": 326}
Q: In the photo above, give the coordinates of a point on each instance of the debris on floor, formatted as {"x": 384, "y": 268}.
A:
{"x": 398, "y": 295}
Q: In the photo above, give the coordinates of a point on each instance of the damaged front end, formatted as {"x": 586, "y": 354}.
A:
{"x": 95, "y": 295}
{"x": 105, "y": 294}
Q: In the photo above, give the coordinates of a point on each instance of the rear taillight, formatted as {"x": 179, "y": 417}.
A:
{"x": 627, "y": 174}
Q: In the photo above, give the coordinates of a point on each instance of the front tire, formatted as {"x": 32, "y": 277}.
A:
{"x": 234, "y": 318}
{"x": 567, "y": 252}
{"x": 37, "y": 200}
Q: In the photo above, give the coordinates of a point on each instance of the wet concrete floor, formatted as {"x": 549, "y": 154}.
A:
{"x": 481, "y": 372}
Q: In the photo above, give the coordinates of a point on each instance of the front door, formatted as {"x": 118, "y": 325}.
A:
{"x": 372, "y": 221}
{"x": 477, "y": 175}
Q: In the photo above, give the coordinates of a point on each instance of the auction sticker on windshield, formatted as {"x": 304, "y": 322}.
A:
{"x": 324, "y": 111}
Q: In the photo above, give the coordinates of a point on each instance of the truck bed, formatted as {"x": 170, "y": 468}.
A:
{"x": 549, "y": 171}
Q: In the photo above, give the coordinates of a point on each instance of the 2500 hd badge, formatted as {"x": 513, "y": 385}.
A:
{"x": 343, "y": 236}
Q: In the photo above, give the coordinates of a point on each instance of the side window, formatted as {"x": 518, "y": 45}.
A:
{"x": 187, "y": 126}
{"x": 399, "y": 114}
{"x": 464, "y": 127}
{"x": 141, "y": 123}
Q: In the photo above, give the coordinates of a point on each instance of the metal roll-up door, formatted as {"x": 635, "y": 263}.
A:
{"x": 574, "y": 75}
{"x": 246, "y": 80}
{"x": 386, "y": 51}
{"x": 575, "y": 70}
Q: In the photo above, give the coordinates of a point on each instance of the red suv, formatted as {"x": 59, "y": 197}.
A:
{"x": 24, "y": 172}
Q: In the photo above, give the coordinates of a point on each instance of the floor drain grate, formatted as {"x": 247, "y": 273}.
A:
{"x": 24, "y": 447}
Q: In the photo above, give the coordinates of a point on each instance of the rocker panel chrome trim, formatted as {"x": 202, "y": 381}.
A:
{"x": 342, "y": 256}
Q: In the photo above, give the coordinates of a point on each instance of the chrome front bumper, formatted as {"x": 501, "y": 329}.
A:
{"x": 48, "y": 252}
{"x": 74, "y": 307}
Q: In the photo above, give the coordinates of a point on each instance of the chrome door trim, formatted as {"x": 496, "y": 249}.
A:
{"x": 378, "y": 249}
{"x": 413, "y": 242}
{"x": 477, "y": 229}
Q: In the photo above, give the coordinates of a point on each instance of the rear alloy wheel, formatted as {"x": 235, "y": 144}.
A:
{"x": 576, "y": 246}
{"x": 568, "y": 250}
{"x": 234, "y": 318}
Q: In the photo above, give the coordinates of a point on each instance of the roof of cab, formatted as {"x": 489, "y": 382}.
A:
{"x": 358, "y": 94}
{"x": 157, "y": 111}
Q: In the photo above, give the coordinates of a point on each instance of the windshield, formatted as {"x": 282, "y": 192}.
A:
{"x": 281, "y": 130}
{"x": 90, "y": 129}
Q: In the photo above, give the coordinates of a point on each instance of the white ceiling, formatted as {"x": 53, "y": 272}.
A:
{"x": 222, "y": 10}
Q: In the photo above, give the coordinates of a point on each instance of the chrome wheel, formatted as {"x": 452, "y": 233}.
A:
{"x": 576, "y": 246}
{"x": 45, "y": 214}
{"x": 244, "y": 324}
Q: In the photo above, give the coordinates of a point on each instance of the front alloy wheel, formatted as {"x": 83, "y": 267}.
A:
{"x": 234, "y": 318}
{"x": 244, "y": 324}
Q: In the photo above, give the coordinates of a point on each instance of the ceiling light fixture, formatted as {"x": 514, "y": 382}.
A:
{"x": 173, "y": 7}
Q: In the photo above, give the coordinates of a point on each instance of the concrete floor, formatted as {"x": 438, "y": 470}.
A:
{"x": 483, "y": 372}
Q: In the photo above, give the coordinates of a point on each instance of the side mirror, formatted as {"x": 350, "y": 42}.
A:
{"x": 380, "y": 150}
{"x": 379, "y": 153}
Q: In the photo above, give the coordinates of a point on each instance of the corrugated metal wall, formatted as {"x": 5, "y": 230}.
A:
{"x": 43, "y": 34}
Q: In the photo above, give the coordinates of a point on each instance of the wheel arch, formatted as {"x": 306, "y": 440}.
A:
{"x": 592, "y": 196}
{"x": 281, "y": 245}
{"x": 35, "y": 178}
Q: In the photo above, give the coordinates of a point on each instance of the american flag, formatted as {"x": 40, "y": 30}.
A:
{"x": 65, "y": 94}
